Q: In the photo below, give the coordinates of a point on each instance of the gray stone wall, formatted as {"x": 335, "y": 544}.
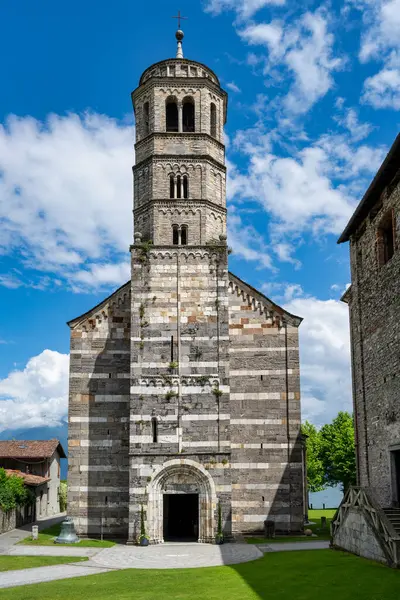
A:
{"x": 357, "y": 536}
{"x": 161, "y": 348}
{"x": 98, "y": 427}
{"x": 179, "y": 370}
{"x": 267, "y": 470}
{"x": 374, "y": 302}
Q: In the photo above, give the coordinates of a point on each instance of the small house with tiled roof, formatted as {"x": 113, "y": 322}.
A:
{"x": 38, "y": 463}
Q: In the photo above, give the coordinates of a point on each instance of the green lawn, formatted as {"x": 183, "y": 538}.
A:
{"x": 326, "y": 574}
{"x": 11, "y": 563}
{"x": 46, "y": 538}
{"x": 313, "y": 515}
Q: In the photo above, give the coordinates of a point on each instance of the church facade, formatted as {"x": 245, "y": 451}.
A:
{"x": 184, "y": 383}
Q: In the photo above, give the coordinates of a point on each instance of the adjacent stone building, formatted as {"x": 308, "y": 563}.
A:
{"x": 184, "y": 383}
{"x": 38, "y": 463}
{"x": 374, "y": 303}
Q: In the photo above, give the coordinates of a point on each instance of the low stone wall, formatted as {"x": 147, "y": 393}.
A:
{"x": 357, "y": 536}
{"x": 13, "y": 518}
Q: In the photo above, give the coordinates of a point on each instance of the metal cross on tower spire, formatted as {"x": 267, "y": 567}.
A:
{"x": 179, "y": 17}
{"x": 179, "y": 35}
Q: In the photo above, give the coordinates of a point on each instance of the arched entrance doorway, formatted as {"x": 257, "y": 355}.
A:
{"x": 181, "y": 502}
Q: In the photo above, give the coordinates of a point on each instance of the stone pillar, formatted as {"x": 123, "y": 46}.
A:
{"x": 180, "y": 117}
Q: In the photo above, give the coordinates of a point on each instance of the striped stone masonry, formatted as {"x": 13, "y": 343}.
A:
{"x": 186, "y": 379}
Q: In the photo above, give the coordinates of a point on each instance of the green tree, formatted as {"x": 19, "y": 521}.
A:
{"x": 13, "y": 492}
{"x": 337, "y": 451}
{"x": 315, "y": 468}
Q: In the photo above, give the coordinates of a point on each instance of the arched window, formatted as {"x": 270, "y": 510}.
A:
{"x": 185, "y": 186}
{"x": 188, "y": 114}
{"x": 171, "y": 186}
{"x": 178, "y": 187}
{"x": 184, "y": 235}
{"x": 213, "y": 120}
{"x": 175, "y": 235}
{"x": 154, "y": 429}
{"x": 146, "y": 117}
{"x": 171, "y": 114}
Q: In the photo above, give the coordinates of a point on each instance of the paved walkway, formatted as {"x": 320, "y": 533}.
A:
{"x": 175, "y": 556}
{"x": 163, "y": 556}
{"x": 42, "y": 574}
{"x": 7, "y": 540}
{"x": 289, "y": 546}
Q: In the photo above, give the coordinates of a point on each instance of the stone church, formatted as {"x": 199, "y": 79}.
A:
{"x": 368, "y": 520}
{"x": 184, "y": 383}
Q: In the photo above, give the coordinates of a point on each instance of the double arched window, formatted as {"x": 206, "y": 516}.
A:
{"x": 179, "y": 118}
{"x": 213, "y": 120}
{"x": 179, "y": 235}
{"x": 178, "y": 186}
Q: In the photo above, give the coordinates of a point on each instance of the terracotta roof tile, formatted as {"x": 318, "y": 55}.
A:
{"x": 30, "y": 449}
{"x": 28, "y": 478}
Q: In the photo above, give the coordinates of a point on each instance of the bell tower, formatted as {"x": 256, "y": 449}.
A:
{"x": 179, "y": 439}
{"x": 180, "y": 174}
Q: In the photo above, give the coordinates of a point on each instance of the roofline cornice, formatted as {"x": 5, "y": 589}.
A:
{"x": 190, "y": 134}
{"x": 180, "y": 157}
{"x": 185, "y": 203}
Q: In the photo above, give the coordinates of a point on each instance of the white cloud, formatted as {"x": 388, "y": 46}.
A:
{"x": 382, "y": 18}
{"x": 305, "y": 49}
{"x": 381, "y": 42}
{"x": 36, "y": 396}
{"x": 233, "y": 87}
{"x": 65, "y": 191}
{"x": 350, "y": 121}
{"x": 243, "y": 8}
{"x": 383, "y": 89}
{"x": 100, "y": 275}
{"x": 324, "y": 357}
{"x": 282, "y": 292}
{"x": 309, "y": 191}
{"x": 246, "y": 242}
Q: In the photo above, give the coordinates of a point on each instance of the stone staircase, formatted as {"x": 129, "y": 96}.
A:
{"x": 393, "y": 515}
{"x": 360, "y": 526}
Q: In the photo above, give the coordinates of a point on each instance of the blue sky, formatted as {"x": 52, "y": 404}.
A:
{"x": 314, "y": 99}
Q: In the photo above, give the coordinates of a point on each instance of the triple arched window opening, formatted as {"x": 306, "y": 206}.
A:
{"x": 178, "y": 186}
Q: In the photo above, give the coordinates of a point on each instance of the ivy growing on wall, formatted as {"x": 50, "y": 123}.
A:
{"x": 13, "y": 492}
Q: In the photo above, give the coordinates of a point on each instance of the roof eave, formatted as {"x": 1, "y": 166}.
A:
{"x": 73, "y": 322}
{"x": 372, "y": 189}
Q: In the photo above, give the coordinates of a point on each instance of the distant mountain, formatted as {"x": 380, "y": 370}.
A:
{"x": 41, "y": 433}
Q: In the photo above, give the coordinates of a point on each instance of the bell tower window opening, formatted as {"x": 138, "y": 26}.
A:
{"x": 188, "y": 115}
{"x": 171, "y": 186}
{"x": 171, "y": 114}
{"x": 184, "y": 235}
{"x": 185, "y": 186}
{"x": 154, "y": 430}
{"x": 213, "y": 120}
{"x": 179, "y": 235}
{"x": 146, "y": 118}
{"x": 175, "y": 235}
{"x": 179, "y": 186}
{"x": 386, "y": 239}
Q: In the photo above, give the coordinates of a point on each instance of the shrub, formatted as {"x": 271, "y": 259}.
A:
{"x": 13, "y": 492}
{"x": 63, "y": 496}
